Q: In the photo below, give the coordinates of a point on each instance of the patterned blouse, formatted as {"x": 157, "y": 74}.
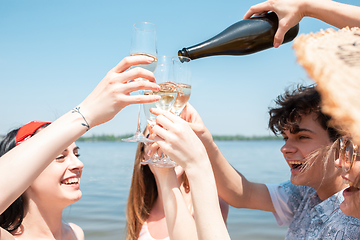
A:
{"x": 308, "y": 217}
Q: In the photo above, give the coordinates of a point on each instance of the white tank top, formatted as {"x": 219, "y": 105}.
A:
{"x": 145, "y": 234}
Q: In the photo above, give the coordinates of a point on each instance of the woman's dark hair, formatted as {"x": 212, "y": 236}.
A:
{"x": 292, "y": 105}
{"x": 12, "y": 217}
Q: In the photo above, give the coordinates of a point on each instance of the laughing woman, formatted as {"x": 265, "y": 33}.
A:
{"x": 348, "y": 160}
{"x": 39, "y": 166}
{"x": 58, "y": 184}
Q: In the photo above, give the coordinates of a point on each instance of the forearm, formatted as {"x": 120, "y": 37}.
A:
{"x": 208, "y": 217}
{"x": 233, "y": 187}
{"x": 229, "y": 182}
{"x": 177, "y": 214}
{"x": 334, "y": 13}
{"x": 20, "y": 166}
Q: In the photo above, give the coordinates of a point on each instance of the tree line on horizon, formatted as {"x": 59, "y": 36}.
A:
{"x": 112, "y": 138}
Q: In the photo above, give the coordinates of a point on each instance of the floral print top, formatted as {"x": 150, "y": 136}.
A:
{"x": 308, "y": 217}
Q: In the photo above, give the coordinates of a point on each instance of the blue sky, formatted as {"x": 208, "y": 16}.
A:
{"x": 54, "y": 53}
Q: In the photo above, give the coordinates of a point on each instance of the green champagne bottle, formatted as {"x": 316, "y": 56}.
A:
{"x": 244, "y": 37}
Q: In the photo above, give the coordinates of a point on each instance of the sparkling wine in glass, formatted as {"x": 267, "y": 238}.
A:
{"x": 168, "y": 92}
{"x": 143, "y": 42}
{"x": 164, "y": 78}
{"x": 182, "y": 76}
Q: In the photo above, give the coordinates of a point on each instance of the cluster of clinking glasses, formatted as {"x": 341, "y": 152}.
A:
{"x": 172, "y": 74}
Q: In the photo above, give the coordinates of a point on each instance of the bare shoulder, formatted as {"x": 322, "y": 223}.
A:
{"x": 5, "y": 235}
{"x": 78, "y": 231}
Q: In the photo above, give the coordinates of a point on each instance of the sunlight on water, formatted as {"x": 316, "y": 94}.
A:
{"x": 107, "y": 175}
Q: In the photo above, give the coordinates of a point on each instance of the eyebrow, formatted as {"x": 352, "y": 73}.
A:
{"x": 298, "y": 130}
{"x": 304, "y": 130}
{"x": 76, "y": 148}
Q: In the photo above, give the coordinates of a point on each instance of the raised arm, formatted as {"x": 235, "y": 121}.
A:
{"x": 232, "y": 186}
{"x": 177, "y": 139}
{"x": 180, "y": 223}
{"x": 21, "y": 165}
{"x": 290, "y": 12}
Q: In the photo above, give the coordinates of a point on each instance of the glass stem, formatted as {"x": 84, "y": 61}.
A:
{"x": 138, "y": 130}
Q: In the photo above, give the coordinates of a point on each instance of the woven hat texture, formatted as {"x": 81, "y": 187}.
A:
{"x": 332, "y": 59}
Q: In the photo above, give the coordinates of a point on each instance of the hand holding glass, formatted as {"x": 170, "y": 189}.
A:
{"x": 143, "y": 43}
{"x": 168, "y": 93}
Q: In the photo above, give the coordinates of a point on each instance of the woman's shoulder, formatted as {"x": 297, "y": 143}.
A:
{"x": 5, "y": 235}
{"x": 78, "y": 231}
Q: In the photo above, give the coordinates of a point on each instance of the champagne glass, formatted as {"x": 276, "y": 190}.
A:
{"x": 168, "y": 92}
{"x": 164, "y": 78}
{"x": 182, "y": 77}
{"x": 151, "y": 119}
{"x": 143, "y": 43}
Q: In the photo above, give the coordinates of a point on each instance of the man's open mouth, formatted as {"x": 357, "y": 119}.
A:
{"x": 298, "y": 165}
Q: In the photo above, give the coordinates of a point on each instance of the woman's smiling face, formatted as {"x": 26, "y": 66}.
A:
{"x": 59, "y": 183}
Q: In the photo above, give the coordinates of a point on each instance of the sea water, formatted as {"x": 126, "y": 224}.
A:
{"x": 107, "y": 175}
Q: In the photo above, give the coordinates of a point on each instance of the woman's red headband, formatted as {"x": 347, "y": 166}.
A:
{"x": 26, "y": 131}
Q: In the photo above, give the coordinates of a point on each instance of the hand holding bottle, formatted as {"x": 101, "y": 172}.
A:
{"x": 244, "y": 37}
{"x": 289, "y": 13}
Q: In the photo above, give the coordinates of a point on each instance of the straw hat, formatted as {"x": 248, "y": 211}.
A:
{"x": 332, "y": 59}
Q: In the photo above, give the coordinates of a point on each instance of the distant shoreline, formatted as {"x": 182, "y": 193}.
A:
{"x": 112, "y": 138}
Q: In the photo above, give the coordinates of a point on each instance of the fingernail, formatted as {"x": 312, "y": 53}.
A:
{"x": 276, "y": 45}
{"x": 149, "y": 153}
{"x": 150, "y": 59}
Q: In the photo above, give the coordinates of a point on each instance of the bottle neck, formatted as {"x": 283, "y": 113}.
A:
{"x": 183, "y": 52}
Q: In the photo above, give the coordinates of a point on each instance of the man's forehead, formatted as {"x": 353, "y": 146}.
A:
{"x": 310, "y": 125}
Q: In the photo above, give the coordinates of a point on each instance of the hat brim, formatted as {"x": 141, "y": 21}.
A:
{"x": 332, "y": 59}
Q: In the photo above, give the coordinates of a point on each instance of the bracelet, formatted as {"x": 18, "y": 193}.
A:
{"x": 77, "y": 110}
